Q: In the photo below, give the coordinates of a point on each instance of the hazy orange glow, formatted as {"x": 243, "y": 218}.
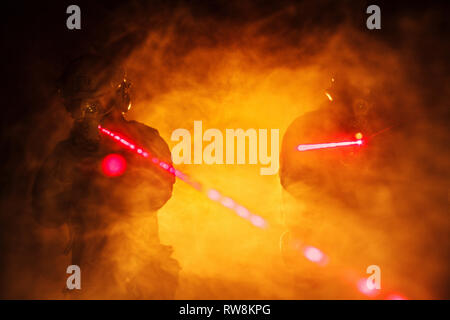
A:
{"x": 259, "y": 81}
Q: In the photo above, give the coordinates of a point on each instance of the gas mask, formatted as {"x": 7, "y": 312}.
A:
{"x": 92, "y": 87}
{"x": 88, "y": 112}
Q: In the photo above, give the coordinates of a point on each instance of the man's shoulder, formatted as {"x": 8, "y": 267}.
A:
{"x": 316, "y": 118}
{"x": 143, "y": 128}
{"x": 325, "y": 120}
{"x": 149, "y": 137}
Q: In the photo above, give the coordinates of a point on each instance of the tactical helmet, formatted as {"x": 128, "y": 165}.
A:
{"x": 88, "y": 81}
{"x": 354, "y": 99}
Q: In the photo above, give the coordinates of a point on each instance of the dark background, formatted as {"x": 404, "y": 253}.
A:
{"x": 36, "y": 45}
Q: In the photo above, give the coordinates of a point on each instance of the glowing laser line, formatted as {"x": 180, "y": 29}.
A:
{"x": 210, "y": 193}
{"x": 305, "y": 147}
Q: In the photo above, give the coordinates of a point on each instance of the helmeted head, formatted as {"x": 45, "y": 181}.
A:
{"x": 355, "y": 100}
{"x": 93, "y": 86}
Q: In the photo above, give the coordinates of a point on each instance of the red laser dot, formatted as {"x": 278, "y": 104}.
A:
{"x": 227, "y": 202}
{"x": 396, "y": 296}
{"x": 164, "y": 165}
{"x": 364, "y": 289}
{"x": 243, "y": 212}
{"x": 113, "y": 165}
{"x": 213, "y": 195}
{"x": 314, "y": 255}
{"x": 258, "y": 221}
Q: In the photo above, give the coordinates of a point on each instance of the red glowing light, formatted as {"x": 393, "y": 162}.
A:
{"x": 305, "y": 147}
{"x": 243, "y": 212}
{"x": 257, "y": 221}
{"x": 395, "y": 296}
{"x": 364, "y": 289}
{"x": 314, "y": 255}
{"x": 113, "y": 165}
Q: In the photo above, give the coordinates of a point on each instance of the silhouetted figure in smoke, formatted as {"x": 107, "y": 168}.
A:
{"x": 317, "y": 181}
{"x": 76, "y": 187}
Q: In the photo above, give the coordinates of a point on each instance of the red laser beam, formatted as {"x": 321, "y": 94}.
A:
{"x": 212, "y": 194}
{"x": 315, "y": 255}
{"x": 305, "y": 147}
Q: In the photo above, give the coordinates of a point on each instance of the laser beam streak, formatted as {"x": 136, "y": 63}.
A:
{"x": 306, "y": 147}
